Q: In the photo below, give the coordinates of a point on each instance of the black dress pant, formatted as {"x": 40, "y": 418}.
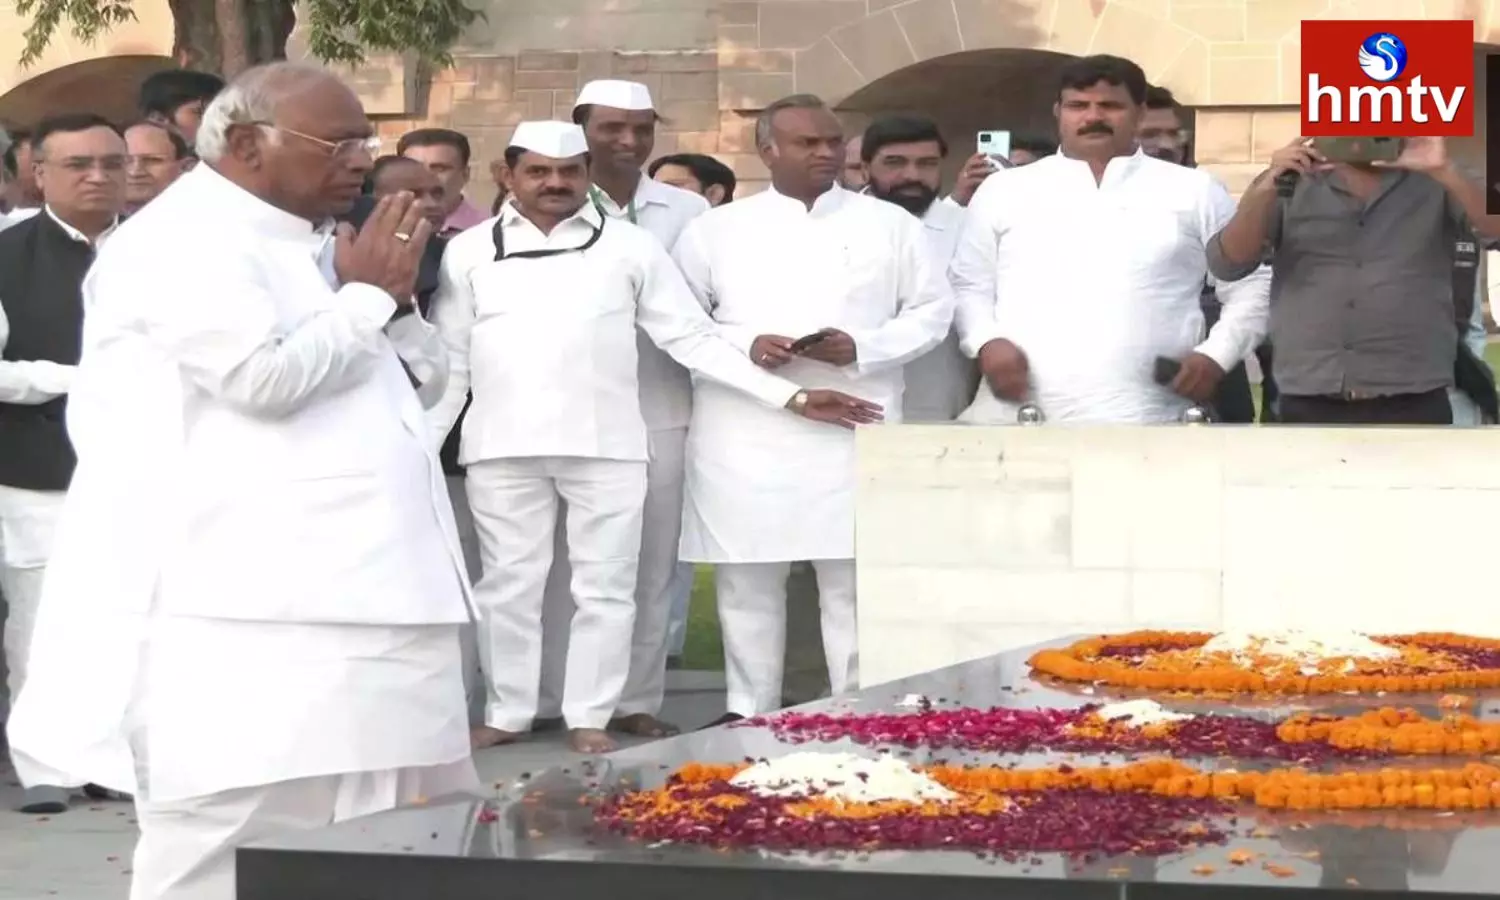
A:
{"x": 1427, "y": 408}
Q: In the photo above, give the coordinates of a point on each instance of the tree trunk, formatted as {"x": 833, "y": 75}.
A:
{"x": 229, "y": 36}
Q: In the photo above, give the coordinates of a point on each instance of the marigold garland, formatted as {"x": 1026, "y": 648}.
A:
{"x": 1473, "y": 786}
{"x": 1144, "y": 803}
{"x": 1396, "y": 731}
{"x": 1171, "y": 661}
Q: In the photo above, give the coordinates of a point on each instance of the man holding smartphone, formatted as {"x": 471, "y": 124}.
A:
{"x": 1024, "y": 285}
{"x": 845, "y": 279}
{"x": 1362, "y": 251}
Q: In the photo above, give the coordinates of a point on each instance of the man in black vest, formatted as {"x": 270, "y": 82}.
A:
{"x": 80, "y": 169}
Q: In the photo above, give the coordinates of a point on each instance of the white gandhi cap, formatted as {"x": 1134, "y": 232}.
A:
{"x": 557, "y": 140}
{"x": 629, "y": 95}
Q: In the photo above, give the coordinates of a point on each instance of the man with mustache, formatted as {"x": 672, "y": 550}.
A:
{"x": 1164, "y": 135}
{"x": 540, "y": 311}
{"x": 903, "y": 158}
{"x": 1079, "y": 336}
{"x": 619, "y": 120}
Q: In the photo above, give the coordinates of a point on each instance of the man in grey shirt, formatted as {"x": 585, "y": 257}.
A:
{"x": 1362, "y": 313}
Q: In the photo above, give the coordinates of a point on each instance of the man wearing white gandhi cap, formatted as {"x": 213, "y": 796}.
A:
{"x": 619, "y": 121}
{"x": 539, "y": 308}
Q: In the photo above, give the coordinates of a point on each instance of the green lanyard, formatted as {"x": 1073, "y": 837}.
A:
{"x": 598, "y": 197}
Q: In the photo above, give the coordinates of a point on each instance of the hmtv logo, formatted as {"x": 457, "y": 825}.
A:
{"x": 1387, "y": 79}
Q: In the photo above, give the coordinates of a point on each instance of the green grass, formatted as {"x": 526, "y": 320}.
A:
{"x": 703, "y": 648}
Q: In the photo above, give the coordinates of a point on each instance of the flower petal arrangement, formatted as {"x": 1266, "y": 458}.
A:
{"x": 1266, "y": 664}
{"x": 1303, "y": 737}
{"x": 701, "y": 805}
{"x": 1148, "y": 808}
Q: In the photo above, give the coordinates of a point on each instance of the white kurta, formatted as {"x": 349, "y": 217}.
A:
{"x": 940, "y": 383}
{"x": 1094, "y": 280}
{"x": 764, "y": 485}
{"x": 547, "y": 345}
{"x": 663, "y": 211}
{"x": 253, "y": 485}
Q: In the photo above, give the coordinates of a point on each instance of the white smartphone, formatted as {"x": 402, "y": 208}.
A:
{"x": 996, "y": 146}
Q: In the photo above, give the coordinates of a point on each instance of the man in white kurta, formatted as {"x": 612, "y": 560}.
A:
{"x": 1075, "y": 273}
{"x": 903, "y": 158}
{"x": 256, "y": 557}
{"x": 764, "y": 490}
{"x": 540, "y": 309}
{"x": 619, "y": 120}
{"x": 43, "y": 261}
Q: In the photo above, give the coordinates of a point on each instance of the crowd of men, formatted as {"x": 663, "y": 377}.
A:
{"x": 312, "y": 449}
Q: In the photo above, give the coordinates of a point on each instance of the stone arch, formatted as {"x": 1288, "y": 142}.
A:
{"x": 965, "y": 93}
{"x": 1229, "y": 53}
{"x": 148, "y": 34}
{"x": 107, "y": 86}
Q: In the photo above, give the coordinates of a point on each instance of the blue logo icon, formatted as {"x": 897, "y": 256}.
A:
{"x": 1382, "y": 57}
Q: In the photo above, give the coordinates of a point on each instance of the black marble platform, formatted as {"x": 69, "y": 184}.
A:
{"x": 537, "y": 839}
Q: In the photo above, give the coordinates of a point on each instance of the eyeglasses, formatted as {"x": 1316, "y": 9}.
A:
{"x": 368, "y": 145}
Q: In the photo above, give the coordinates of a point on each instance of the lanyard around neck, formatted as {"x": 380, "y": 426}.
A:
{"x": 599, "y": 198}
{"x": 498, "y": 234}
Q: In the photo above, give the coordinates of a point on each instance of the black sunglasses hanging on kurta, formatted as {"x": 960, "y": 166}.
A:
{"x": 498, "y": 233}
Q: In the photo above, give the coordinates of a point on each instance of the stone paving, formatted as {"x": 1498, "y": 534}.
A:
{"x": 84, "y": 854}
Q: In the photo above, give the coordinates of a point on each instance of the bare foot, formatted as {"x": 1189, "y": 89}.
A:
{"x": 590, "y": 740}
{"x": 643, "y": 725}
{"x": 485, "y": 736}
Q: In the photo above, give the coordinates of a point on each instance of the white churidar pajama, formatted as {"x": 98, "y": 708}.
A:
{"x": 28, "y": 520}
{"x": 752, "y": 610}
{"x": 556, "y": 417}
{"x": 256, "y": 557}
{"x": 765, "y": 489}
{"x": 661, "y": 529}
{"x": 666, "y": 404}
{"x": 515, "y": 504}
{"x": 1150, "y": 222}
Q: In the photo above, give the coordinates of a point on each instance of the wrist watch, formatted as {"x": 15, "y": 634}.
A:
{"x": 799, "y": 402}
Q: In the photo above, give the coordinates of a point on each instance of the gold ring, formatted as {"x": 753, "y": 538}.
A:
{"x": 403, "y": 237}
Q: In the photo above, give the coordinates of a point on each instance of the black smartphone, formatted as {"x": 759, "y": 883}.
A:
{"x": 1358, "y": 150}
{"x": 801, "y": 344}
{"x": 1165, "y": 370}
